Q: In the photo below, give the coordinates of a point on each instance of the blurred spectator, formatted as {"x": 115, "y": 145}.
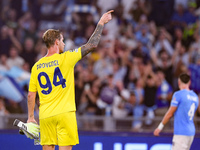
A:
{"x": 42, "y": 52}
{"x": 103, "y": 66}
{"x": 89, "y": 98}
{"x": 85, "y": 78}
{"x": 180, "y": 61}
{"x": 163, "y": 94}
{"x": 3, "y": 63}
{"x": 69, "y": 42}
{"x": 31, "y": 31}
{"x": 20, "y": 6}
{"x": 107, "y": 94}
{"x": 11, "y": 21}
{"x": 139, "y": 65}
{"x": 138, "y": 109}
{"x": 121, "y": 106}
{"x": 7, "y": 39}
{"x": 79, "y": 85}
{"x": 139, "y": 8}
{"x": 163, "y": 42}
{"x": 195, "y": 75}
{"x": 130, "y": 78}
{"x": 191, "y": 17}
{"x": 126, "y": 38}
{"x": 88, "y": 105}
{"x": 119, "y": 71}
{"x": 194, "y": 50}
{"x": 190, "y": 29}
{"x": 13, "y": 79}
{"x": 87, "y": 74}
{"x": 141, "y": 51}
{"x": 28, "y": 53}
{"x": 178, "y": 36}
{"x": 27, "y": 25}
{"x": 146, "y": 28}
{"x": 143, "y": 35}
{"x": 164, "y": 62}
{"x": 179, "y": 17}
{"x": 26, "y": 67}
{"x": 14, "y": 59}
{"x": 150, "y": 88}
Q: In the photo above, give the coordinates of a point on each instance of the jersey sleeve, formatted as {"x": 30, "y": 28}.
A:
{"x": 175, "y": 100}
{"x": 73, "y": 56}
{"x": 33, "y": 80}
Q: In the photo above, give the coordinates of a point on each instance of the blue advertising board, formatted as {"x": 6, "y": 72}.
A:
{"x": 11, "y": 140}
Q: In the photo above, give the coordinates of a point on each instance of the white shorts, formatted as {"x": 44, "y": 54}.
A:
{"x": 182, "y": 142}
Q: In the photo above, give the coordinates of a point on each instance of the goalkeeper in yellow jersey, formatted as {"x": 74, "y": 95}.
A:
{"x": 53, "y": 78}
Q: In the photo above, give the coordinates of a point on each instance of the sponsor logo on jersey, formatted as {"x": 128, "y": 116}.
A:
{"x": 74, "y": 50}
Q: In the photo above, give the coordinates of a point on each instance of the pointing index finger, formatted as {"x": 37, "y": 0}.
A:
{"x": 110, "y": 11}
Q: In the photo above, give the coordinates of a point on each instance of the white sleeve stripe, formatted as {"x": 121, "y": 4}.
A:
{"x": 175, "y": 102}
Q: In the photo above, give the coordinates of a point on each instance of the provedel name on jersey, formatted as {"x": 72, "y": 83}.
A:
{"x": 48, "y": 64}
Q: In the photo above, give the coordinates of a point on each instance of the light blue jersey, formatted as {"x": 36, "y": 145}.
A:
{"x": 186, "y": 102}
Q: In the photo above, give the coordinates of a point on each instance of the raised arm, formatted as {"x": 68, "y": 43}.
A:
{"x": 95, "y": 38}
{"x": 14, "y": 39}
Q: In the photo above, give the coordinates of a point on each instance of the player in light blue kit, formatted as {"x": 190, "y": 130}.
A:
{"x": 183, "y": 107}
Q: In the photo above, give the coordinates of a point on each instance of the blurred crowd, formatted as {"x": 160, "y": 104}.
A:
{"x": 134, "y": 70}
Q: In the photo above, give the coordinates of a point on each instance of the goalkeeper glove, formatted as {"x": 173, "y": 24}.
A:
{"x": 31, "y": 130}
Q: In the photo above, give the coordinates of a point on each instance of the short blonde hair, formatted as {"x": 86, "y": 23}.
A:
{"x": 50, "y": 36}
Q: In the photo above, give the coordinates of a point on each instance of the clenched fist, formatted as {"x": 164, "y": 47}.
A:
{"x": 156, "y": 132}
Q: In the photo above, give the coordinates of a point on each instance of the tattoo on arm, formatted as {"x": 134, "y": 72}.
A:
{"x": 93, "y": 41}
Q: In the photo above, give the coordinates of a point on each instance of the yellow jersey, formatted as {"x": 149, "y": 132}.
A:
{"x": 53, "y": 78}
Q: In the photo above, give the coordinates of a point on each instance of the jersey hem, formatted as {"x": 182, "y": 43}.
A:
{"x": 56, "y": 114}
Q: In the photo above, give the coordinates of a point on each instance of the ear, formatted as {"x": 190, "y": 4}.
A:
{"x": 179, "y": 82}
{"x": 189, "y": 83}
{"x": 56, "y": 42}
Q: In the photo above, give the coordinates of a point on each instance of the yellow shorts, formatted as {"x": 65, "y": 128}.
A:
{"x": 59, "y": 130}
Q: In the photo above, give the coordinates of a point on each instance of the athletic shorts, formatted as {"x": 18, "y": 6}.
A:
{"x": 182, "y": 142}
{"x": 59, "y": 130}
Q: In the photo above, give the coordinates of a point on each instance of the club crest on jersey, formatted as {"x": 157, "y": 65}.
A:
{"x": 174, "y": 100}
{"x": 74, "y": 50}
